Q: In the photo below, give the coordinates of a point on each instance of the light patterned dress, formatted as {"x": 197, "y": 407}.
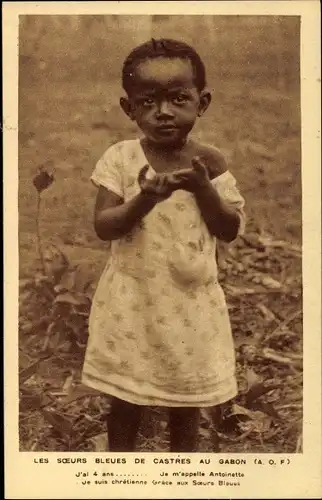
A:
{"x": 159, "y": 331}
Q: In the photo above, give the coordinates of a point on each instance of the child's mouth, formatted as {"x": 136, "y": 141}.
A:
{"x": 166, "y": 129}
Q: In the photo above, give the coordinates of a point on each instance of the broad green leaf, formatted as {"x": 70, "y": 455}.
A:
{"x": 252, "y": 378}
{"x": 68, "y": 298}
{"x": 30, "y": 400}
{"x": 28, "y": 372}
{"x": 258, "y": 390}
{"x": 264, "y": 407}
{"x": 60, "y": 423}
{"x": 241, "y": 411}
{"x": 78, "y": 392}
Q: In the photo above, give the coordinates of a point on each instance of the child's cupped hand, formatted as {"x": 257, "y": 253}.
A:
{"x": 192, "y": 179}
{"x": 161, "y": 186}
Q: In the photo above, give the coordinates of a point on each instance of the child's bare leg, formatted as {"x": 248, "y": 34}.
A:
{"x": 216, "y": 417}
{"x": 184, "y": 425}
{"x": 123, "y": 425}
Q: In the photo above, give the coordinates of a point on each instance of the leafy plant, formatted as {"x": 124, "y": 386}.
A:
{"x": 41, "y": 181}
{"x": 55, "y": 307}
{"x": 61, "y": 291}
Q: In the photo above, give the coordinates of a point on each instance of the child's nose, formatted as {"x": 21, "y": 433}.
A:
{"x": 164, "y": 110}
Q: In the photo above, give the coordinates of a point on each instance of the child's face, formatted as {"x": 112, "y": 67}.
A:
{"x": 164, "y": 100}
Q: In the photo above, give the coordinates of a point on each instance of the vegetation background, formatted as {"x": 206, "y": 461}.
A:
{"x": 69, "y": 87}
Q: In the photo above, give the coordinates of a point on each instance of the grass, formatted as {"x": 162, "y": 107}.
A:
{"x": 69, "y": 115}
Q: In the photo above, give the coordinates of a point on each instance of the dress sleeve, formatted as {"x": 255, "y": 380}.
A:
{"x": 225, "y": 185}
{"x": 108, "y": 171}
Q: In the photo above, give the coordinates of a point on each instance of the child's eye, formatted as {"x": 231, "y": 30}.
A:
{"x": 147, "y": 101}
{"x": 180, "y": 99}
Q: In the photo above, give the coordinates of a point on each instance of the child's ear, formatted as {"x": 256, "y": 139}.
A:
{"x": 127, "y": 107}
{"x": 205, "y": 100}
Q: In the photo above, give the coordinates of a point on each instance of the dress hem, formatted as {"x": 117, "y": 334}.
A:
{"x": 146, "y": 400}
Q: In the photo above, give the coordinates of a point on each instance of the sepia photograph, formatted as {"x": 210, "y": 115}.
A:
{"x": 160, "y": 234}
{"x": 162, "y": 249}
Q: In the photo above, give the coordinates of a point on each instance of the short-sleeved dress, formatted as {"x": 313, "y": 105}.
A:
{"x": 159, "y": 331}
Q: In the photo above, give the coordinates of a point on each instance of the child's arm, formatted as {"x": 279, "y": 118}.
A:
{"x": 222, "y": 221}
{"x": 114, "y": 219}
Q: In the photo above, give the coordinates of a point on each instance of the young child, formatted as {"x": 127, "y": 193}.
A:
{"x": 159, "y": 332}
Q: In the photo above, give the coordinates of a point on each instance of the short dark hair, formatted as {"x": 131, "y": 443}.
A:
{"x": 164, "y": 47}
